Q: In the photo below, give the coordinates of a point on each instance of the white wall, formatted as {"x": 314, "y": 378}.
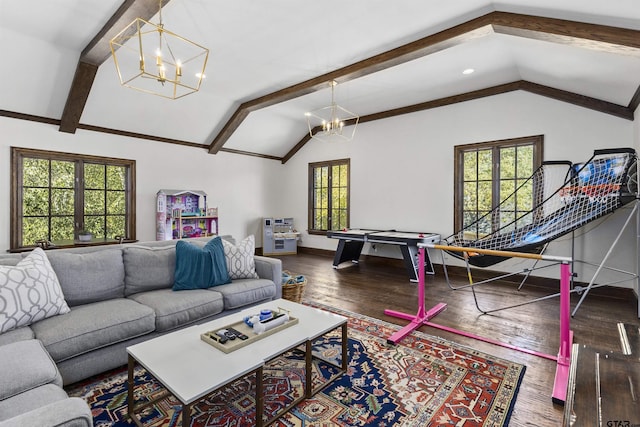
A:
{"x": 401, "y": 171}
{"x": 402, "y": 168}
{"x": 238, "y": 185}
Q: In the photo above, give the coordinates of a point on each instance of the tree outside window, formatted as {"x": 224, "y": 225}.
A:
{"x": 328, "y": 196}
{"x": 486, "y": 174}
{"x": 55, "y": 196}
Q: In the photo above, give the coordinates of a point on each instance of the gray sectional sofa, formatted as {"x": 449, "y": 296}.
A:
{"x": 118, "y": 295}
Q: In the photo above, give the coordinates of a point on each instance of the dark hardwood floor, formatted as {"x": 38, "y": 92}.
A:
{"x": 376, "y": 284}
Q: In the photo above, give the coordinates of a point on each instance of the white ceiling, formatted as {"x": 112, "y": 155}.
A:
{"x": 259, "y": 47}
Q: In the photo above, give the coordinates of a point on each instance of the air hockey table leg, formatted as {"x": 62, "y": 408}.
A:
{"x": 348, "y": 250}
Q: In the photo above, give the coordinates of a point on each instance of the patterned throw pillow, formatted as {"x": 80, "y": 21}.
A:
{"x": 240, "y": 261}
{"x": 29, "y": 292}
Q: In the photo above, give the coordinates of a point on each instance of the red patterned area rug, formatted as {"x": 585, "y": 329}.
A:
{"x": 422, "y": 381}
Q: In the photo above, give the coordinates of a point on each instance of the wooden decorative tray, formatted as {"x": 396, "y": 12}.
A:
{"x": 243, "y": 328}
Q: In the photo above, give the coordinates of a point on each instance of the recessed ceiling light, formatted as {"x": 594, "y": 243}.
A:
{"x": 468, "y": 71}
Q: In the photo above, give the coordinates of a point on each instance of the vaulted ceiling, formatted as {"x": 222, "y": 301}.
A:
{"x": 271, "y": 61}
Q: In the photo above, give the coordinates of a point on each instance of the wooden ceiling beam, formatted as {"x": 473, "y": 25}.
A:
{"x": 306, "y": 138}
{"x": 445, "y": 39}
{"x": 97, "y": 52}
{"x": 77, "y": 97}
{"x": 449, "y": 100}
{"x": 635, "y": 100}
{"x": 584, "y": 35}
{"x": 578, "y": 34}
{"x": 579, "y": 100}
{"x": 560, "y": 95}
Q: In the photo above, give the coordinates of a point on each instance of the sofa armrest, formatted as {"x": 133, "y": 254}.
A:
{"x": 71, "y": 412}
{"x": 270, "y": 268}
{"x": 26, "y": 365}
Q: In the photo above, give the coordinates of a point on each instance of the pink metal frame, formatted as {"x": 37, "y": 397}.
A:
{"x": 563, "y": 358}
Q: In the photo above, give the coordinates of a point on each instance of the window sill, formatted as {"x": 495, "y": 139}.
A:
{"x": 66, "y": 244}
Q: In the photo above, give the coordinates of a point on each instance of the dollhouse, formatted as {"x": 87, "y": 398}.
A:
{"x": 184, "y": 214}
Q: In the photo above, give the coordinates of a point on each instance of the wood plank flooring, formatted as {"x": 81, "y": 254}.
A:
{"x": 376, "y": 284}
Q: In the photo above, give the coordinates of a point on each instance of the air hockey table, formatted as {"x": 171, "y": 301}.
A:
{"x": 351, "y": 242}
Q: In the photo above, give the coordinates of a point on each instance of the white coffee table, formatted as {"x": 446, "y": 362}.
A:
{"x": 191, "y": 369}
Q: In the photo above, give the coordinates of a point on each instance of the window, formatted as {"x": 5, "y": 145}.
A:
{"x": 486, "y": 174}
{"x": 55, "y": 195}
{"x": 328, "y": 196}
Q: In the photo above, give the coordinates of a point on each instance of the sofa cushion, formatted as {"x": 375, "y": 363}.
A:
{"x": 26, "y": 365}
{"x": 89, "y": 277}
{"x": 20, "y": 334}
{"x": 29, "y": 292}
{"x": 10, "y": 259}
{"x": 92, "y": 326}
{"x": 175, "y": 309}
{"x": 240, "y": 262}
{"x": 246, "y": 291}
{"x": 200, "y": 268}
{"x": 148, "y": 268}
{"x": 30, "y": 400}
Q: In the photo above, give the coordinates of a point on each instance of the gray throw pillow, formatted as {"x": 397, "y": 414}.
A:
{"x": 148, "y": 268}
{"x": 91, "y": 276}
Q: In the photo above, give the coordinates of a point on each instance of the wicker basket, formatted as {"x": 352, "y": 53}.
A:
{"x": 292, "y": 289}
